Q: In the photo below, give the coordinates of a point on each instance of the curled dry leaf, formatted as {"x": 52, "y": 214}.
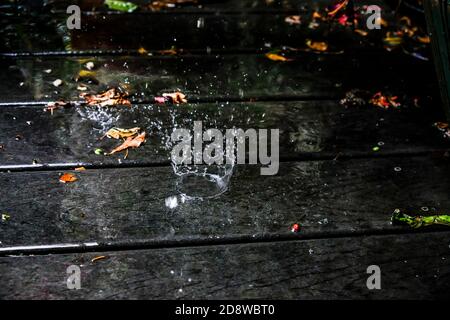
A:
{"x": 119, "y": 133}
{"x": 130, "y": 142}
{"x": 293, "y": 20}
{"x": 67, "y": 178}
{"x": 338, "y": 7}
{"x": 277, "y": 57}
{"x": 98, "y": 258}
{"x": 110, "y": 97}
{"x": 176, "y": 97}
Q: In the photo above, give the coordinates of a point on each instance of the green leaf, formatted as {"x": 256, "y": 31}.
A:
{"x": 121, "y": 5}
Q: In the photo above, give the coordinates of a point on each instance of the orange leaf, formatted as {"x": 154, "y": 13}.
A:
{"x": 176, "y": 97}
{"x": 68, "y": 177}
{"x": 130, "y": 142}
{"x": 276, "y": 57}
{"x": 142, "y": 50}
{"x": 98, "y": 258}
{"x": 318, "y": 46}
{"x": 110, "y": 97}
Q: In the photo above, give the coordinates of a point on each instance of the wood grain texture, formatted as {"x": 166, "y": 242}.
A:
{"x": 39, "y": 31}
{"x": 308, "y": 130}
{"x": 412, "y": 267}
{"x": 244, "y": 77}
{"x": 114, "y": 207}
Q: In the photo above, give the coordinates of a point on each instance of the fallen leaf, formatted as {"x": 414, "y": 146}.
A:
{"x": 98, "y": 258}
{"x": 361, "y": 32}
{"x": 121, "y": 5}
{"x": 276, "y": 57}
{"x": 293, "y": 20}
{"x": 317, "y": 15}
{"x": 98, "y": 151}
{"x": 130, "y": 142}
{"x": 318, "y": 46}
{"x": 110, "y": 97}
{"x": 80, "y": 169}
{"x": 338, "y": 7}
{"x": 5, "y": 217}
{"x": 441, "y": 125}
{"x": 142, "y": 50}
{"x": 383, "y": 101}
{"x": 424, "y": 39}
{"x": 176, "y": 97}
{"x": 67, "y": 178}
{"x": 444, "y": 127}
{"x": 119, "y": 133}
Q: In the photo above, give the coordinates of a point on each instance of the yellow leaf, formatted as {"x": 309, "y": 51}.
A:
{"x": 318, "y": 46}
{"x": 119, "y": 133}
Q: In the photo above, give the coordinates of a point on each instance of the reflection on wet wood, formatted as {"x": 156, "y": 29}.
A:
{"x": 223, "y": 77}
{"x": 151, "y": 205}
{"x": 308, "y": 130}
{"x": 316, "y": 269}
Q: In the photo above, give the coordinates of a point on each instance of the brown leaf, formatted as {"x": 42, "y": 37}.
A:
{"x": 119, "y": 133}
{"x": 130, "y": 142}
{"x": 110, "y": 97}
{"x": 176, "y": 97}
{"x": 68, "y": 177}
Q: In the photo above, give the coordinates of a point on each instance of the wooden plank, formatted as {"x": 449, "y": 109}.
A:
{"x": 37, "y": 32}
{"x": 308, "y": 130}
{"x": 154, "y": 207}
{"x": 244, "y": 77}
{"x": 413, "y": 266}
{"x": 248, "y": 6}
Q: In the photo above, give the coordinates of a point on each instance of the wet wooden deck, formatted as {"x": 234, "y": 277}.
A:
{"x": 331, "y": 180}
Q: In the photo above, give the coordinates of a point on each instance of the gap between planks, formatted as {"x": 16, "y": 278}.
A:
{"x": 51, "y": 167}
{"x": 67, "y": 248}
